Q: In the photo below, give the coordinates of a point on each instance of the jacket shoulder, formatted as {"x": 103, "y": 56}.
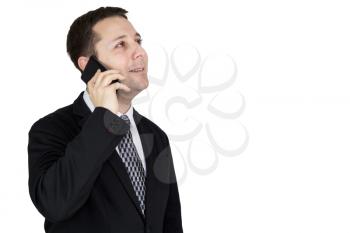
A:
{"x": 58, "y": 119}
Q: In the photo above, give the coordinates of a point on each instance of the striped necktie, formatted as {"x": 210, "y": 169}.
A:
{"x": 133, "y": 164}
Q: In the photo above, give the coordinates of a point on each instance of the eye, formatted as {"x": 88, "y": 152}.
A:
{"x": 120, "y": 44}
{"x": 139, "y": 41}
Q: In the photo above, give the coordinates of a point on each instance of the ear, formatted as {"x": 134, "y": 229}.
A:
{"x": 82, "y": 61}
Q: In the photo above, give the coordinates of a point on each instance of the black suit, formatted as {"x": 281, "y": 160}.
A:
{"x": 79, "y": 183}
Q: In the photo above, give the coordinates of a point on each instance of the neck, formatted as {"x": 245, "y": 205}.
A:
{"x": 124, "y": 105}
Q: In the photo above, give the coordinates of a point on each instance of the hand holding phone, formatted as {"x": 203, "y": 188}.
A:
{"x": 101, "y": 94}
{"x": 91, "y": 68}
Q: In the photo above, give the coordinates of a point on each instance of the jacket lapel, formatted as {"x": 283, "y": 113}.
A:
{"x": 148, "y": 145}
{"x": 147, "y": 140}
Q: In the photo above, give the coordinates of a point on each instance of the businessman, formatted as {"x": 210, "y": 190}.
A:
{"x": 97, "y": 165}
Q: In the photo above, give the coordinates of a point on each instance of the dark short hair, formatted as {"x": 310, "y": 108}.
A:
{"x": 81, "y": 39}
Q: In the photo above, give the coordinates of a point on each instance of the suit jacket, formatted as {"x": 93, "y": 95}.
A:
{"x": 78, "y": 182}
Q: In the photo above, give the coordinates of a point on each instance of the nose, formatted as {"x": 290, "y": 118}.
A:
{"x": 139, "y": 52}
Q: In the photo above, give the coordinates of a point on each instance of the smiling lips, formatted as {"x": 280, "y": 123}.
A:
{"x": 138, "y": 69}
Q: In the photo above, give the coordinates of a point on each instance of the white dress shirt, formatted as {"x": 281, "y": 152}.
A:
{"x": 133, "y": 129}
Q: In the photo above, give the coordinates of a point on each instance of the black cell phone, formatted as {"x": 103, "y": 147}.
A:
{"x": 91, "y": 68}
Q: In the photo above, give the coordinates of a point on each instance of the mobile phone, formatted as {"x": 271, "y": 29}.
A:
{"x": 91, "y": 68}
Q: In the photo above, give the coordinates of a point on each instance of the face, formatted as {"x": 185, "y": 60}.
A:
{"x": 120, "y": 48}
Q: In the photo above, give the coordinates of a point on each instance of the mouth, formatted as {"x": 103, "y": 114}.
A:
{"x": 137, "y": 70}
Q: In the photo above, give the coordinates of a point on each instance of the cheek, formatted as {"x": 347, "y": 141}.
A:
{"x": 119, "y": 63}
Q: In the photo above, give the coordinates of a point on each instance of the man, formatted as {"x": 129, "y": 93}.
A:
{"x": 98, "y": 165}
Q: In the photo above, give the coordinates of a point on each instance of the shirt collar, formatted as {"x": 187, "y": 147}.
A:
{"x": 91, "y": 106}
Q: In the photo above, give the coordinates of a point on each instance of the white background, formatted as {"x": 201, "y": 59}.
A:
{"x": 293, "y": 61}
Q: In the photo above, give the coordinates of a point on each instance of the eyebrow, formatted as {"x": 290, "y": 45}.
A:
{"x": 123, "y": 36}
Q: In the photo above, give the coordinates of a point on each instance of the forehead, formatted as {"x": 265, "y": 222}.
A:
{"x": 111, "y": 27}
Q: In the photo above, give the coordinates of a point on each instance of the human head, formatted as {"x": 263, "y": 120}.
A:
{"x": 93, "y": 34}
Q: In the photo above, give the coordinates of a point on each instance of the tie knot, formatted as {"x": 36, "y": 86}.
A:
{"x": 126, "y": 119}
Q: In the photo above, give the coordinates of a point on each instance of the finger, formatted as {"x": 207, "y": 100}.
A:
{"x": 97, "y": 77}
{"x": 101, "y": 76}
{"x": 119, "y": 86}
{"x": 107, "y": 80}
{"x": 92, "y": 81}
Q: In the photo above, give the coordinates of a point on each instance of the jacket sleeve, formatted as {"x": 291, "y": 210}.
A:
{"x": 61, "y": 172}
{"x": 172, "y": 220}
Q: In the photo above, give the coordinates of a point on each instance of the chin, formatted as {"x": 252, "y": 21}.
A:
{"x": 141, "y": 88}
{"x": 138, "y": 84}
{"x": 143, "y": 83}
